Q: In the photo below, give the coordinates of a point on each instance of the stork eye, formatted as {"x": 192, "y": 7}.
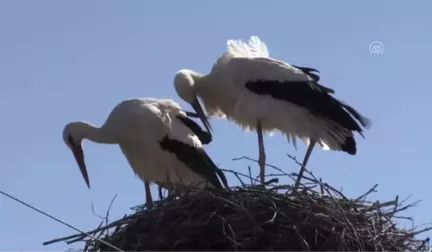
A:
{"x": 70, "y": 140}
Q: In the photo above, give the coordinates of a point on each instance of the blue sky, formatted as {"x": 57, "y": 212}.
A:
{"x": 62, "y": 61}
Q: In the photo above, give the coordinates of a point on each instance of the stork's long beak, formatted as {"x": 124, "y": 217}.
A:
{"x": 191, "y": 114}
{"x": 198, "y": 109}
{"x": 79, "y": 157}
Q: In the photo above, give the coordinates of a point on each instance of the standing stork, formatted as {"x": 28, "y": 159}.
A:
{"x": 265, "y": 94}
{"x": 160, "y": 142}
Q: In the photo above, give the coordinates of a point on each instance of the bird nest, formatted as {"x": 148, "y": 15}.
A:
{"x": 314, "y": 217}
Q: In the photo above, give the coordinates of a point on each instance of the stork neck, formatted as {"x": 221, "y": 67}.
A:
{"x": 95, "y": 134}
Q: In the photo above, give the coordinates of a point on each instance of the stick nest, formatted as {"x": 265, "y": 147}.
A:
{"x": 314, "y": 217}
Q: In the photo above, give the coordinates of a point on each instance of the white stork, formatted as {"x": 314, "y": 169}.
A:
{"x": 160, "y": 142}
{"x": 264, "y": 94}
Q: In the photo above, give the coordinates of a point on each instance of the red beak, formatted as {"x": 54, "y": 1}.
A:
{"x": 79, "y": 157}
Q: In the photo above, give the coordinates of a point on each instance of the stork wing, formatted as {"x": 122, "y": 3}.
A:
{"x": 196, "y": 159}
{"x": 266, "y": 76}
{"x": 273, "y": 69}
{"x": 204, "y": 136}
{"x": 309, "y": 71}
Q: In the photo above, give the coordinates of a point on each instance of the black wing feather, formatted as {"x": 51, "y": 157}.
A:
{"x": 196, "y": 159}
{"x": 202, "y": 135}
{"x": 302, "y": 94}
{"x": 309, "y": 71}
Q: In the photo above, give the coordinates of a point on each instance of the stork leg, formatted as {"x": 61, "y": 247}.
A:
{"x": 305, "y": 160}
{"x": 160, "y": 192}
{"x": 149, "y": 200}
{"x": 262, "y": 156}
{"x": 166, "y": 186}
{"x": 169, "y": 192}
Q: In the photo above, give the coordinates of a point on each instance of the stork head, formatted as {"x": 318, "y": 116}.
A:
{"x": 185, "y": 84}
{"x": 73, "y": 135}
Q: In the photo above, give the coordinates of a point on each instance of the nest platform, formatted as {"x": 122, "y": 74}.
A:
{"x": 315, "y": 217}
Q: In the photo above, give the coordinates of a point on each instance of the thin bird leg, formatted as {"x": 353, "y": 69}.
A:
{"x": 305, "y": 160}
{"x": 262, "y": 156}
{"x": 160, "y": 192}
{"x": 149, "y": 200}
{"x": 166, "y": 186}
{"x": 170, "y": 191}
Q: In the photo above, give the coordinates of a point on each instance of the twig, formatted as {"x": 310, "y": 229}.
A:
{"x": 56, "y": 219}
{"x": 361, "y": 197}
{"x": 106, "y": 217}
{"x": 113, "y": 224}
{"x": 256, "y": 161}
{"x": 250, "y": 175}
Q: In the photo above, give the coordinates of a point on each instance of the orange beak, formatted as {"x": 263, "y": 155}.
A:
{"x": 79, "y": 157}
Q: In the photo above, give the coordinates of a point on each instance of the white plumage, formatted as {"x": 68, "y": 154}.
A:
{"x": 160, "y": 142}
{"x": 264, "y": 94}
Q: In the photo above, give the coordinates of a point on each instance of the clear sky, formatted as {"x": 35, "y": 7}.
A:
{"x": 75, "y": 60}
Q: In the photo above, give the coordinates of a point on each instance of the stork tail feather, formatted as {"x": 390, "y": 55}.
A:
{"x": 349, "y": 146}
{"x": 365, "y": 122}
